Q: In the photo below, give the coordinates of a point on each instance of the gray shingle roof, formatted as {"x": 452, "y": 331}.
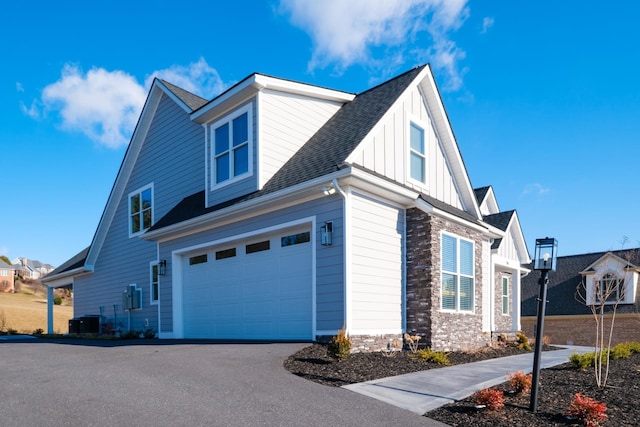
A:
{"x": 76, "y": 261}
{"x": 500, "y": 220}
{"x": 563, "y": 283}
{"x": 481, "y": 193}
{"x": 191, "y": 100}
{"x": 324, "y": 153}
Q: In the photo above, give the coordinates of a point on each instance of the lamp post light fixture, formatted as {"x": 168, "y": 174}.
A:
{"x": 545, "y": 260}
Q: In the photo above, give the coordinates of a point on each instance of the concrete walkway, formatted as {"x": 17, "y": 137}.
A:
{"x": 424, "y": 391}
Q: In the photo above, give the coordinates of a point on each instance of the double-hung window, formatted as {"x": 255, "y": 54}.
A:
{"x": 610, "y": 288}
{"x": 140, "y": 210}
{"x": 457, "y": 274}
{"x": 505, "y": 295}
{"x": 231, "y": 142}
{"x": 417, "y": 154}
{"x": 155, "y": 288}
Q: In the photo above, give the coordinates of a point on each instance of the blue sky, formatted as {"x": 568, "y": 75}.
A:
{"x": 543, "y": 97}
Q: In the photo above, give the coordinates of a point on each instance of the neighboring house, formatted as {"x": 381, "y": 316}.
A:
{"x": 285, "y": 211}
{"x": 31, "y": 269}
{"x": 7, "y": 277}
{"x": 568, "y": 319}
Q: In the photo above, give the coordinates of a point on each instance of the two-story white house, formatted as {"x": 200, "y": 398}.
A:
{"x": 285, "y": 211}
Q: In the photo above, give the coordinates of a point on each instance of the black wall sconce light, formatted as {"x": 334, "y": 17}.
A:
{"x": 162, "y": 267}
{"x": 326, "y": 233}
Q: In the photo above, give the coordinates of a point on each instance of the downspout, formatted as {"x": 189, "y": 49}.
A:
{"x": 346, "y": 223}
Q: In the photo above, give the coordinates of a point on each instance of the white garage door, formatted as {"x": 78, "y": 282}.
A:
{"x": 256, "y": 289}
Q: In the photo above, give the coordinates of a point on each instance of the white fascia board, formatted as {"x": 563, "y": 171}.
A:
{"x": 518, "y": 237}
{"x": 254, "y": 84}
{"x": 381, "y": 187}
{"x": 440, "y": 118}
{"x": 63, "y": 278}
{"x": 289, "y": 196}
{"x": 509, "y": 263}
{"x": 303, "y": 89}
{"x": 126, "y": 168}
{"x": 428, "y": 208}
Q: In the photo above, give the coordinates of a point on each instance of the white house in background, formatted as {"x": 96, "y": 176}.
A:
{"x": 285, "y": 211}
{"x": 32, "y": 269}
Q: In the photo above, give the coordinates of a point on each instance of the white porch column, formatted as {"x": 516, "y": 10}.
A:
{"x": 515, "y": 301}
{"x": 49, "y": 310}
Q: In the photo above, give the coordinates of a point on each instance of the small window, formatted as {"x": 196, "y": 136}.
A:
{"x": 610, "y": 289}
{"x": 198, "y": 259}
{"x": 505, "y": 295}
{"x": 227, "y": 253}
{"x": 417, "y": 154}
{"x": 140, "y": 210}
{"x": 154, "y": 284}
{"x": 295, "y": 239}
{"x": 258, "y": 247}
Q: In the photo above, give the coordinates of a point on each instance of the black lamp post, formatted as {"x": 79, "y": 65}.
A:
{"x": 544, "y": 261}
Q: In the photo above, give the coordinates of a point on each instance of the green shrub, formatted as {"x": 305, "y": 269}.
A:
{"x": 432, "y": 356}
{"x": 340, "y": 346}
{"x": 588, "y": 410}
{"x": 38, "y": 331}
{"x": 583, "y": 361}
{"x": 490, "y": 397}
{"x": 621, "y": 351}
{"x": 130, "y": 335}
{"x": 57, "y": 300}
{"x": 12, "y": 331}
{"x": 149, "y": 333}
{"x": 522, "y": 342}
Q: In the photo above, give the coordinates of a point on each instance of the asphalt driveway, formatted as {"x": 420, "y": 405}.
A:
{"x": 173, "y": 383}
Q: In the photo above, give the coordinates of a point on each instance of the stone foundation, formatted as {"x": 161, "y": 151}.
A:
{"x": 366, "y": 343}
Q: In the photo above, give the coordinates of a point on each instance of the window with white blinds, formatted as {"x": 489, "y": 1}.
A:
{"x": 457, "y": 291}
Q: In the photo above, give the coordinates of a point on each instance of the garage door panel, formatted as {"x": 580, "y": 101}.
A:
{"x": 260, "y": 295}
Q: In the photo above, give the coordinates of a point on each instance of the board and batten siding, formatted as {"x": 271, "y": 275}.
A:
{"x": 507, "y": 247}
{"x": 287, "y": 121}
{"x": 172, "y": 159}
{"x": 386, "y": 150}
{"x": 377, "y": 233}
{"x": 328, "y": 266}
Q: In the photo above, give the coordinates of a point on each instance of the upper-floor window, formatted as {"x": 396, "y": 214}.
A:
{"x": 4, "y": 272}
{"x": 140, "y": 210}
{"x": 231, "y": 142}
{"x": 457, "y": 274}
{"x": 610, "y": 289}
{"x": 417, "y": 154}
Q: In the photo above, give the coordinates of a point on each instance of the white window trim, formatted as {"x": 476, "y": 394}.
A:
{"x": 504, "y": 295}
{"x": 155, "y": 264}
{"x": 140, "y": 191}
{"x": 212, "y": 147}
{"x": 424, "y": 126}
{"x": 596, "y": 285}
{"x": 458, "y": 274}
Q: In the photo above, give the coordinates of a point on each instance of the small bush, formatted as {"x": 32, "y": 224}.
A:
{"x": 38, "y": 331}
{"x": 620, "y": 351}
{"x": 588, "y": 410}
{"x": 412, "y": 342}
{"x": 490, "y": 397}
{"x": 340, "y": 346}
{"x": 582, "y": 361}
{"x": 432, "y": 356}
{"x": 130, "y": 335}
{"x": 149, "y": 333}
{"x": 57, "y": 300}
{"x": 522, "y": 342}
{"x": 520, "y": 382}
{"x": 12, "y": 331}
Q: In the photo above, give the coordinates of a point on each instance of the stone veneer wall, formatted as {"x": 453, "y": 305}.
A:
{"x": 366, "y": 343}
{"x": 503, "y": 323}
{"x": 443, "y": 331}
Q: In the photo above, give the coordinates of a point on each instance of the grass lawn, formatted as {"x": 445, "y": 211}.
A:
{"x": 26, "y": 312}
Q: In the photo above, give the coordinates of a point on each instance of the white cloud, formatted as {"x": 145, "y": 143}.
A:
{"x": 487, "y": 23}
{"x": 344, "y": 33}
{"x": 19, "y": 87}
{"x": 198, "y": 78}
{"x": 535, "y": 189}
{"x": 105, "y": 105}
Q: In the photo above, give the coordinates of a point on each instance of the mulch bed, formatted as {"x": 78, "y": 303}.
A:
{"x": 558, "y": 386}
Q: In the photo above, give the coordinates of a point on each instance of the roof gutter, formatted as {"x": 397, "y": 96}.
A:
{"x": 250, "y": 208}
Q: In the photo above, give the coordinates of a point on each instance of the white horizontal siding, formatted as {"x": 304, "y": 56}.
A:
{"x": 287, "y": 121}
{"x": 386, "y": 151}
{"x": 377, "y": 266}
